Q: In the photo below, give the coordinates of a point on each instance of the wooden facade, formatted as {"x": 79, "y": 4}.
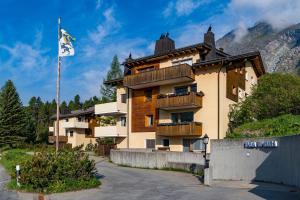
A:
{"x": 184, "y": 129}
{"x": 158, "y": 77}
{"x": 236, "y": 78}
{"x": 190, "y": 100}
{"x": 141, "y": 107}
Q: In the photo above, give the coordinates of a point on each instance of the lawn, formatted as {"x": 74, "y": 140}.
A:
{"x": 48, "y": 172}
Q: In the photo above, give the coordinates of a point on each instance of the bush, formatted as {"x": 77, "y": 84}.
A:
{"x": 90, "y": 147}
{"x": 65, "y": 171}
{"x": 279, "y": 126}
{"x": 275, "y": 95}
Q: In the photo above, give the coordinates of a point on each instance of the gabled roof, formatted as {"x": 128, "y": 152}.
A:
{"x": 254, "y": 57}
{"x": 76, "y": 113}
{"x": 156, "y": 57}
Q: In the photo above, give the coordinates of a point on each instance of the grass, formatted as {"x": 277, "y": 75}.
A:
{"x": 13, "y": 157}
{"x": 279, "y": 126}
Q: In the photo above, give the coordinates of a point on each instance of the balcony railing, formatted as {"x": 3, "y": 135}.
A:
{"x": 113, "y": 108}
{"x": 110, "y": 131}
{"x": 61, "y": 138}
{"x": 179, "y": 129}
{"x": 168, "y": 75}
{"x": 75, "y": 124}
{"x": 183, "y": 101}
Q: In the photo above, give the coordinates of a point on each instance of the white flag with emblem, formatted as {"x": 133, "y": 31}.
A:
{"x": 65, "y": 45}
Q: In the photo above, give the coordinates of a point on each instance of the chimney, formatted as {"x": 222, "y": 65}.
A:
{"x": 209, "y": 38}
{"x": 164, "y": 44}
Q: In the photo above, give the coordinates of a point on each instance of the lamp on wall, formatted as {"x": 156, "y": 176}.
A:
{"x": 205, "y": 141}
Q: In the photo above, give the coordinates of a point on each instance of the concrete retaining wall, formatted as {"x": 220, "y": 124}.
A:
{"x": 157, "y": 159}
{"x": 231, "y": 161}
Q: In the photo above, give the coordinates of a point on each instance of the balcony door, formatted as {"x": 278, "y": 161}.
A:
{"x": 182, "y": 117}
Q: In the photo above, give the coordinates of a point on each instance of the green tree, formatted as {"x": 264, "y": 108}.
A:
{"x": 64, "y": 108}
{"x": 77, "y": 103}
{"x": 12, "y": 115}
{"x": 276, "y": 94}
{"x": 108, "y": 92}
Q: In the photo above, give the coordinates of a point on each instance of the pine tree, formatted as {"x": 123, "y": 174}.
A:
{"x": 108, "y": 93}
{"x": 64, "y": 108}
{"x": 77, "y": 103}
{"x": 12, "y": 116}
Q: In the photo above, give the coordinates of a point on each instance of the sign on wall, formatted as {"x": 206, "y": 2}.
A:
{"x": 261, "y": 144}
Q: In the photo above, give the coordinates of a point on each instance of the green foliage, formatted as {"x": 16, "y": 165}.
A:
{"x": 90, "y": 147}
{"x": 49, "y": 172}
{"x": 279, "y": 126}
{"x": 106, "y": 120}
{"x": 12, "y": 116}
{"x": 276, "y": 94}
{"x": 108, "y": 92}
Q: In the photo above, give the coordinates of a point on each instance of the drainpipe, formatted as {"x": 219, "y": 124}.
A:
{"x": 222, "y": 65}
{"x": 127, "y": 117}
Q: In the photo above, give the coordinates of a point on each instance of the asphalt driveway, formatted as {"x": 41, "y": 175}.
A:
{"x": 130, "y": 184}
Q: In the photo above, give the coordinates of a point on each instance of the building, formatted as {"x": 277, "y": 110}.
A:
{"x": 75, "y": 128}
{"x": 171, "y": 99}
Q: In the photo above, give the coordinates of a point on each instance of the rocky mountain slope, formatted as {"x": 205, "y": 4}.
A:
{"x": 280, "y": 49}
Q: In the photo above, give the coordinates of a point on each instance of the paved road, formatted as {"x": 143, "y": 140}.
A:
{"x": 130, "y": 183}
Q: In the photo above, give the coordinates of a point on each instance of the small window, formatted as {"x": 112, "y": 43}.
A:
{"x": 88, "y": 132}
{"x": 150, "y": 143}
{"x": 148, "y": 94}
{"x": 149, "y": 120}
{"x": 194, "y": 88}
{"x": 166, "y": 142}
{"x": 66, "y": 120}
{"x": 234, "y": 90}
{"x": 181, "y": 90}
{"x": 71, "y": 133}
{"x": 123, "y": 121}
{"x": 66, "y": 132}
{"x": 123, "y": 98}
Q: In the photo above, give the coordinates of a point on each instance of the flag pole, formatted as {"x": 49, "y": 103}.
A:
{"x": 58, "y": 89}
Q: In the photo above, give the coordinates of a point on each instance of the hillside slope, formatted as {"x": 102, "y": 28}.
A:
{"x": 280, "y": 49}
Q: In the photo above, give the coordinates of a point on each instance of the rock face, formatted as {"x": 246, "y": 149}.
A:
{"x": 280, "y": 49}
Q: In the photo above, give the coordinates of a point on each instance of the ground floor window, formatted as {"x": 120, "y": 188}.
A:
{"x": 66, "y": 132}
{"x": 193, "y": 144}
{"x": 150, "y": 143}
{"x": 166, "y": 142}
{"x": 71, "y": 133}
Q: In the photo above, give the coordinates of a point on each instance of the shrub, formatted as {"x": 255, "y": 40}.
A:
{"x": 90, "y": 147}
{"x": 279, "y": 126}
{"x": 275, "y": 95}
{"x": 51, "y": 172}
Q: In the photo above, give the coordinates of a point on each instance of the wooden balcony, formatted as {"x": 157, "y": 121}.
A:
{"x": 180, "y": 129}
{"x": 168, "y": 75}
{"x": 171, "y": 102}
{"x": 62, "y": 139}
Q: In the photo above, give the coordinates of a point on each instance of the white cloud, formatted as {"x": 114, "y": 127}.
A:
{"x": 240, "y": 32}
{"x": 168, "y": 10}
{"x": 109, "y": 26}
{"x": 182, "y": 7}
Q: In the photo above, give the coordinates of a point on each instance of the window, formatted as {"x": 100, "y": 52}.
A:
{"x": 194, "y": 88}
{"x": 193, "y": 145}
{"x": 182, "y": 117}
{"x": 146, "y": 69}
{"x": 123, "y": 98}
{"x": 71, "y": 133}
{"x": 166, "y": 142}
{"x": 88, "y": 132}
{"x": 123, "y": 121}
{"x": 67, "y": 132}
{"x": 148, "y": 94}
{"x": 66, "y": 120}
{"x": 185, "y": 61}
{"x": 149, "y": 120}
{"x": 150, "y": 143}
{"x": 80, "y": 119}
{"x": 181, "y": 90}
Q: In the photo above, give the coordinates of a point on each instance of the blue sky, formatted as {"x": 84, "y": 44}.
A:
{"x": 28, "y": 35}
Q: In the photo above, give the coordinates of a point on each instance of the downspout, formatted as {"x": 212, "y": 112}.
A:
{"x": 127, "y": 118}
{"x": 222, "y": 65}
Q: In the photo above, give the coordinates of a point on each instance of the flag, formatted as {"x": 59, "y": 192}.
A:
{"x": 65, "y": 45}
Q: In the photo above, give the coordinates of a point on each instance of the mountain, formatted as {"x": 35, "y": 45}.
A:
{"x": 280, "y": 49}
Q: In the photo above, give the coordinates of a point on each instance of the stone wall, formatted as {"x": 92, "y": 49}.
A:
{"x": 231, "y": 161}
{"x": 158, "y": 159}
